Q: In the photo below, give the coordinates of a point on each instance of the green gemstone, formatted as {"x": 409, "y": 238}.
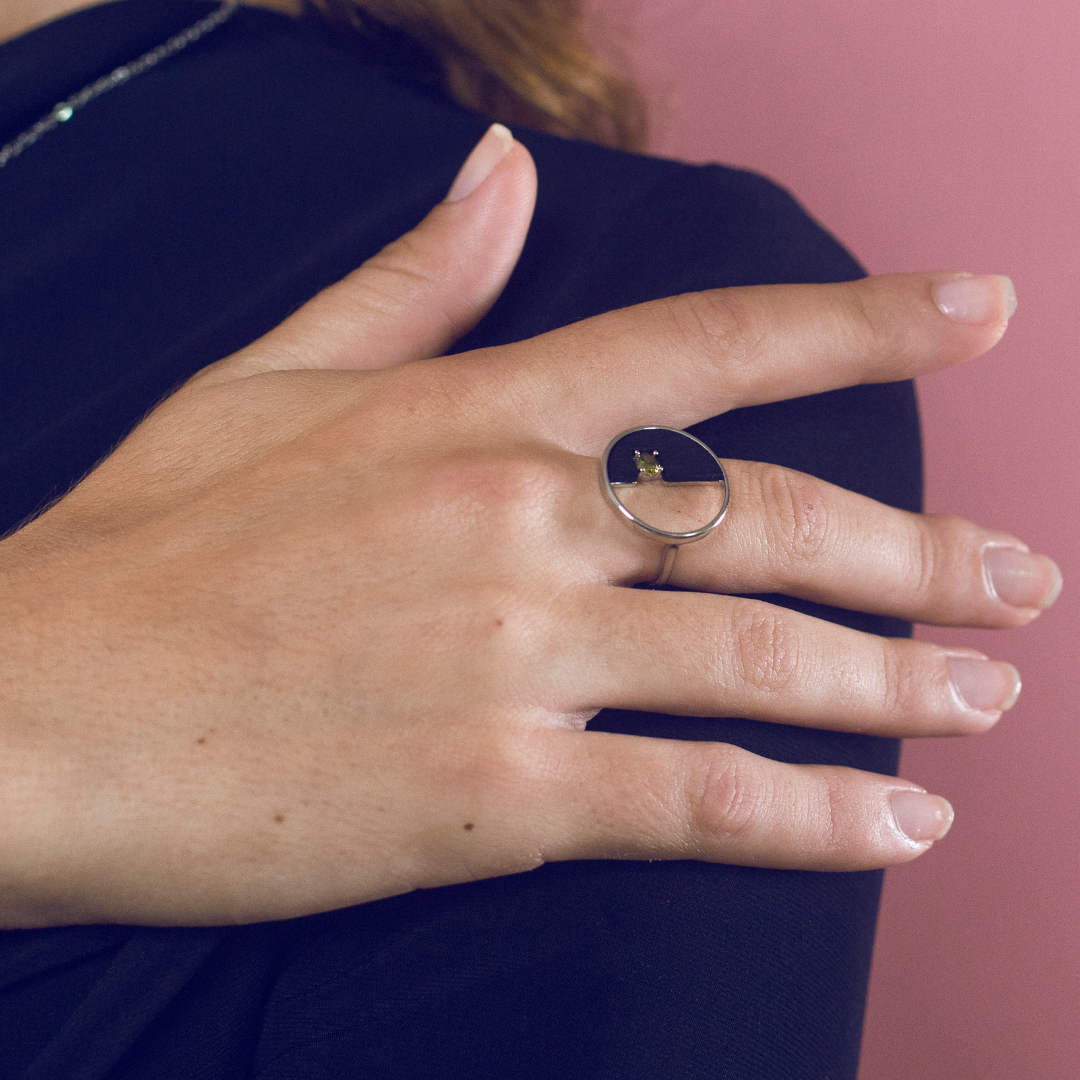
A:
{"x": 647, "y": 465}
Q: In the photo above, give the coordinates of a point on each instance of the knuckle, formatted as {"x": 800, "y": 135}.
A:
{"x": 496, "y": 765}
{"x": 844, "y": 815}
{"x": 829, "y": 813}
{"x": 405, "y": 272}
{"x": 923, "y": 559}
{"x": 870, "y": 335}
{"x": 724, "y": 321}
{"x": 729, "y": 796}
{"x": 797, "y": 509}
{"x": 899, "y": 686}
{"x": 765, "y": 647}
{"x": 942, "y": 541}
{"x": 509, "y": 496}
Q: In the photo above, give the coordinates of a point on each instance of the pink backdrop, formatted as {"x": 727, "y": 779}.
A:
{"x": 943, "y": 134}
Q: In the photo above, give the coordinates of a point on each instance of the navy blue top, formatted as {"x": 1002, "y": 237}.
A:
{"x": 176, "y": 219}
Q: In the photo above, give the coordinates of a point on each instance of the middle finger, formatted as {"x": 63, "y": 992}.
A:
{"x": 692, "y": 654}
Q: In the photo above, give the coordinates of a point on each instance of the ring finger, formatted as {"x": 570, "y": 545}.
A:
{"x": 790, "y": 533}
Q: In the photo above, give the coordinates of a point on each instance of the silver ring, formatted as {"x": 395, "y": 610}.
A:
{"x": 641, "y": 457}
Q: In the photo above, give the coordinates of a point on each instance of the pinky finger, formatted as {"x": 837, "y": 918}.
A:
{"x": 629, "y": 797}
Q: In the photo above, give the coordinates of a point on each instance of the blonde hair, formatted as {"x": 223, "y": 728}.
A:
{"x": 519, "y": 61}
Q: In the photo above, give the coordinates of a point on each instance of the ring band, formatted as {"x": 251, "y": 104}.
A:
{"x": 666, "y": 566}
{"x": 640, "y": 457}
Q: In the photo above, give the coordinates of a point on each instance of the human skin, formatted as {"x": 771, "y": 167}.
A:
{"x": 328, "y": 626}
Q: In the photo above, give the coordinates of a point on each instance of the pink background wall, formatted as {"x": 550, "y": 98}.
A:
{"x": 943, "y": 134}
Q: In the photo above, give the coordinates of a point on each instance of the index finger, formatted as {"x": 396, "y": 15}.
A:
{"x": 683, "y": 359}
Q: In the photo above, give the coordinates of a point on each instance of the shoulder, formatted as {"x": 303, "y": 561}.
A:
{"x": 613, "y": 229}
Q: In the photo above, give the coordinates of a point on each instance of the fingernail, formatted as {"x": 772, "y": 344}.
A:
{"x": 920, "y": 816}
{"x": 981, "y": 301}
{"x": 486, "y": 154}
{"x": 1020, "y": 578}
{"x": 985, "y": 685}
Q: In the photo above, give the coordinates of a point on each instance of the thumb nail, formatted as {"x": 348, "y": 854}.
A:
{"x": 486, "y": 154}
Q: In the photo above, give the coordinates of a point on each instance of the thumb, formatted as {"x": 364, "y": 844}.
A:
{"x": 418, "y": 295}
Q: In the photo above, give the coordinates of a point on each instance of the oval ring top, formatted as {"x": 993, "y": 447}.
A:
{"x": 659, "y": 478}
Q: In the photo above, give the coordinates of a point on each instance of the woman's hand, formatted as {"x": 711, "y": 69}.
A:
{"x": 313, "y": 637}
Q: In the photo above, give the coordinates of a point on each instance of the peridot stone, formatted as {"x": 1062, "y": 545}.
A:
{"x": 647, "y": 465}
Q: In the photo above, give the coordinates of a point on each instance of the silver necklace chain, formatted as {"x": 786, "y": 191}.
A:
{"x": 65, "y": 110}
